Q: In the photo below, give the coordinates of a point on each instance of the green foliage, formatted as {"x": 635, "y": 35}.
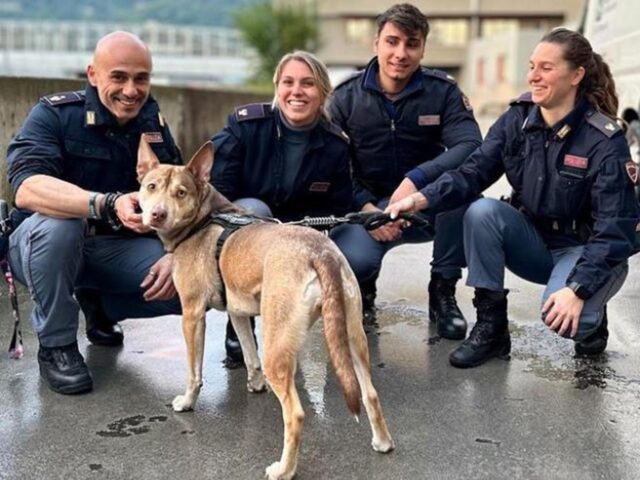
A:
{"x": 274, "y": 30}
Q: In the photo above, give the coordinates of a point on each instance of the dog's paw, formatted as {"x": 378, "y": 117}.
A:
{"x": 182, "y": 404}
{"x": 257, "y": 384}
{"x": 383, "y": 446}
{"x": 274, "y": 472}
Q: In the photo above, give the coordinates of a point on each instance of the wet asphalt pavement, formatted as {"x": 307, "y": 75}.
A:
{"x": 542, "y": 415}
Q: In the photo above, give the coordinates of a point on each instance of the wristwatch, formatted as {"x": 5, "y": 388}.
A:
{"x": 581, "y": 292}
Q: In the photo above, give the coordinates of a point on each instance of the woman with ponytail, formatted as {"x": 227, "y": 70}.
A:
{"x": 570, "y": 223}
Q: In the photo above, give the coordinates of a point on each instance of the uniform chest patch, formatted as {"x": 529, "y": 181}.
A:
{"x": 576, "y": 162}
{"x": 153, "y": 137}
{"x": 632, "y": 171}
{"x": 319, "y": 187}
{"x": 427, "y": 120}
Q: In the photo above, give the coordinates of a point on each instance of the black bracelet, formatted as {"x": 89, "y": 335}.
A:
{"x": 109, "y": 212}
{"x": 94, "y": 213}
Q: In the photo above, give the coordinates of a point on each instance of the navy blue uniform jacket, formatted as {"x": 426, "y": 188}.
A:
{"x": 73, "y": 137}
{"x": 249, "y": 163}
{"x": 575, "y": 171}
{"x": 427, "y": 130}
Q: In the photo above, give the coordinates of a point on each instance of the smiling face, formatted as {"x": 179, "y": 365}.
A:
{"x": 554, "y": 83}
{"x": 399, "y": 56}
{"x": 121, "y": 72}
{"x": 298, "y": 95}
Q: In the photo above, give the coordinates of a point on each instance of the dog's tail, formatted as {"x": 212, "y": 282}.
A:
{"x": 335, "y": 328}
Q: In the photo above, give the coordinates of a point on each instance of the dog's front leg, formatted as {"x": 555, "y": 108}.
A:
{"x": 193, "y": 328}
{"x": 255, "y": 377}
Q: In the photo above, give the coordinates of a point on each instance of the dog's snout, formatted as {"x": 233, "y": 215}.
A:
{"x": 159, "y": 214}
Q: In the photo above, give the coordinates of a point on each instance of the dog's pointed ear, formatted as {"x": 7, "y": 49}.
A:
{"x": 202, "y": 162}
{"x": 147, "y": 160}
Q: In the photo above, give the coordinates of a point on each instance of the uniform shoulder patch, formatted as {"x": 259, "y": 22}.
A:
{"x": 253, "y": 111}
{"x": 602, "y": 122}
{"x": 442, "y": 75}
{"x": 62, "y": 98}
{"x": 524, "y": 98}
{"x": 336, "y": 130}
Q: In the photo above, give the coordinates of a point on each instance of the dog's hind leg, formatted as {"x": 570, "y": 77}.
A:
{"x": 283, "y": 335}
{"x": 280, "y": 374}
{"x": 381, "y": 441}
{"x": 255, "y": 378}
{"x": 193, "y": 328}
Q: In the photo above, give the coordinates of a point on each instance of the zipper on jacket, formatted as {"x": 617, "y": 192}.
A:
{"x": 393, "y": 125}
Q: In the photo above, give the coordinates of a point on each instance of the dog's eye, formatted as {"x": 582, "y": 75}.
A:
{"x": 181, "y": 193}
{"x": 151, "y": 187}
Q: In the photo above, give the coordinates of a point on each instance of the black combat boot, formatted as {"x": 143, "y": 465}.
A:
{"x": 368, "y": 293}
{"x": 596, "y": 342}
{"x": 234, "y": 358}
{"x": 100, "y": 330}
{"x": 443, "y": 308}
{"x": 64, "y": 369}
{"x": 490, "y": 335}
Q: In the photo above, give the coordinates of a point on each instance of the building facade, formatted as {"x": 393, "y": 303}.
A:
{"x": 183, "y": 55}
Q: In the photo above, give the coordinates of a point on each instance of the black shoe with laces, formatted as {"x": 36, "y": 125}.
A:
{"x": 100, "y": 330}
{"x": 64, "y": 369}
{"x": 489, "y": 337}
{"x": 443, "y": 308}
{"x": 595, "y": 343}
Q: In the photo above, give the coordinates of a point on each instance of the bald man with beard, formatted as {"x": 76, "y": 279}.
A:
{"x": 78, "y": 239}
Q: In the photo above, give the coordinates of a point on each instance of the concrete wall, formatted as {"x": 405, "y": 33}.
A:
{"x": 193, "y": 115}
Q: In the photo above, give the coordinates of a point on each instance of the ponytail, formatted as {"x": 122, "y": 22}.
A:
{"x": 599, "y": 87}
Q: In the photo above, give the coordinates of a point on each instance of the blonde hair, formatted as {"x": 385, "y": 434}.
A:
{"x": 318, "y": 71}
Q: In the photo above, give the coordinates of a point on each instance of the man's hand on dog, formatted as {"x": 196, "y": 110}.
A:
{"x": 158, "y": 284}
{"x": 127, "y": 208}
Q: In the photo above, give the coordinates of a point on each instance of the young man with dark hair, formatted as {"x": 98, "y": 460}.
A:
{"x": 407, "y": 124}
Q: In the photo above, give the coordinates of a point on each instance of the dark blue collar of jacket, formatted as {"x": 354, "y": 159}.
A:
{"x": 103, "y": 117}
{"x": 370, "y": 80}
{"x": 535, "y": 121}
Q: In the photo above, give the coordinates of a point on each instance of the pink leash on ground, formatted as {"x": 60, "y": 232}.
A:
{"x": 16, "y": 349}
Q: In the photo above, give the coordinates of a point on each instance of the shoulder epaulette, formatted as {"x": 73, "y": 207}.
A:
{"x": 524, "y": 98}
{"x": 602, "y": 122}
{"x": 253, "y": 111}
{"x": 349, "y": 78}
{"x": 432, "y": 72}
{"x": 56, "y": 99}
{"x": 339, "y": 132}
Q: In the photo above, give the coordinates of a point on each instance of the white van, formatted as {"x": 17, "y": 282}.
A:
{"x": 613, "y": 28}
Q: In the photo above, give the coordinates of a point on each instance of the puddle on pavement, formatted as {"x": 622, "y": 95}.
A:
{"x": 134, "y": 425}
{"x": 551, "y": 357}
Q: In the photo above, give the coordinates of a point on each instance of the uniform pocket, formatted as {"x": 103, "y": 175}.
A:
{"x": 88, "y": 165}
{"x": 572, "y": 193}
{"x": 79, "y": 148}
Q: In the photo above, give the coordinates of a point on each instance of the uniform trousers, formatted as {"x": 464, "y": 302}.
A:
{"x": 53, "y": 256}
{"x": 365, "y": 254}
{"x": 498, "y": 236}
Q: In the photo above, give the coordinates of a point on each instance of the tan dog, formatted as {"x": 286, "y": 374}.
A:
{"x": 288, "y": 275}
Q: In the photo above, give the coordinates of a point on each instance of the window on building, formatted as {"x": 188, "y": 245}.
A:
{"x": 19, "y": 38}
{"x": 360, "y": 31}
{"x": 449, "y": 32}
{"x": 491, "y": 27}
